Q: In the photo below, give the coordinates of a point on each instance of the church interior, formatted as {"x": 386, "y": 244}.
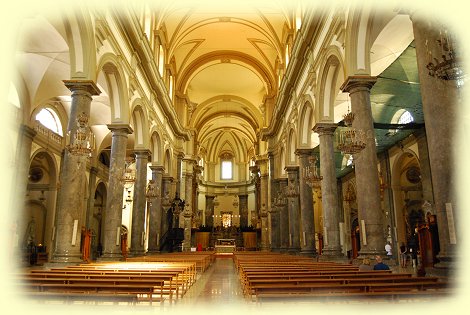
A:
{"x": 190, "y": 142}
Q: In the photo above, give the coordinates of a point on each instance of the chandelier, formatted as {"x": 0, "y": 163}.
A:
{"x": 280, "y": 201}
{"x": 82, "y": 143}
{"x": 449, "y": 66}
{"x": 292, "y": 190}
{"x": 311, "y": 176}
{"x": 351, "y": 141}
{"x": 152, "y": 191}
{"x": 128, "y": 177}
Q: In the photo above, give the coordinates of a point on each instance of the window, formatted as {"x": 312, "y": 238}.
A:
{"x": 401, "y": 117}
{"x": 161, "y": 60}
{"x": 49, "y": 119}
{"x": 405, "y": 118}
{"x": 226, "y": 170}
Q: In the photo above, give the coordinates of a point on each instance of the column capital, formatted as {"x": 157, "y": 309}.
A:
{"x": 167, "y": 178}
{"x": 358, "y": 81}
{"x": 142, "y": 152}
{"x": 291, "y": 168}
{"x": 157, "y": 168}
{"x": 303, "y": 151}
{"x": 120, "y": 127}
{"x": 28, "y": 131}
{"x": 93, "y": 170}
{"x": 82, "y": 85}
{"x": 325, "y": 128}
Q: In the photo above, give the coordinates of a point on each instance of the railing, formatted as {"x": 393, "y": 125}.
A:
{"x": 50, "y": 135}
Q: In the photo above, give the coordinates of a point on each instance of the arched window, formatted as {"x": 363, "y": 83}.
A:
{"x": 226, "y": 166}
{"x": 161, "y": 60}
{"x": 401, "y": 117}
{"x": 49, "y": 119}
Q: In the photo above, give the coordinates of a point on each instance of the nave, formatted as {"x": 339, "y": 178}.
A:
{"x": 251, "y": 280}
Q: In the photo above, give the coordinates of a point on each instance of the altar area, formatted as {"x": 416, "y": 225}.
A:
{"x": 225, "y": 246}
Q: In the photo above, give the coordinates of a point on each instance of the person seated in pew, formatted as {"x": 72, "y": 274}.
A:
{"x": 380, "y": 265}
{"x": 365, "y": 264}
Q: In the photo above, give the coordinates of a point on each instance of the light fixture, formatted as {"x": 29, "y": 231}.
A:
{"x": 152, "y": 191}
{"x": 350, "y": 195}
{"x": 449, "y": 65}
{"x": 128, "y": 177}
{"x": 351, "y": 140}
{"x": 292, "y": 189}
{"x": 82, "y": 142}
{"x": 311, "y": 176}
{"x": 382, "y": 185}
{"x": 280, "y": 201}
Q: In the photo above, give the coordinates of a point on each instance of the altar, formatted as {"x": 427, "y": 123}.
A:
{"x": 225, "y": 246}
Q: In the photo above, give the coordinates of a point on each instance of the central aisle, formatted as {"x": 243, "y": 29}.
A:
{"x": 219, "y": 285}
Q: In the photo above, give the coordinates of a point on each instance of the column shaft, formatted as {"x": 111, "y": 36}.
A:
{"x": 155, "y": 215}
{"x": 367, "y": 175}
{"x": 112, "y": 216}
{"x": 293, "y": 208}
{"x": 71, "y": 208}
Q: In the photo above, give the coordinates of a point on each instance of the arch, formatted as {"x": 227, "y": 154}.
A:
{"x": 331, "y": 78}
{"x": 167, "y": 162}
{"x": 81, "y": 40}
{"x": 291, "y": 157}
{"x": 58, "y": 112}
{"x": 112, "y": 82}
{"x": 356, "y": 44}
{"x": 140, "y": 126}
{"x": 156, "y": 148}
{"x": 305, "y": 124}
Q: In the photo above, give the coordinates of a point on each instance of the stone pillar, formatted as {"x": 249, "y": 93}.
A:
{"x": 91, "y": 192}
{"x": 292, "y": 194}
{"x": 425, "y": 168}
{"x": 307, "y": 244}
{"x": 179, "y": 175}
{"x": 264, "y": 213}
{"x": 274, "y": 214}
{"x": 331, "y": 213}
{"x": 243, "y": 210}
{"x": 71, "y": 210}
{"x": 209, "y": 210}
{"x": 283, "y": 219}
{"x": 166, "y": 202}
{"x": 23, "y": 159}
{"x": 112, "y": 217}
{"x": 367, "y": 175}
{"x": 155, "y": 211}
{"x": 188, "y": 212}
{"x": 256, "y": 178}
{"x": 441, "y": 104}
{"x": 138, "y": 209}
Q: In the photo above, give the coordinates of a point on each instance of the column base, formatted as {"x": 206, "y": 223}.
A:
{"x": 294, "y": 250}
{"x": 153, "y": 251}
{"x": 137, "y": 253}
{"x": 110, "y": 257}
{"x": 66, "y": 258}
{"x": 308, "y": 252}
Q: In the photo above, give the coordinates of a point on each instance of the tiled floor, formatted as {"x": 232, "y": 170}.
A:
{"x": 218, "y": 285}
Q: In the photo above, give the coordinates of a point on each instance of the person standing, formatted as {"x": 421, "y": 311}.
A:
{"x": 403, "y": 253}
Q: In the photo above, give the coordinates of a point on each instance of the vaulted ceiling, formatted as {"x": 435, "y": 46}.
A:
{"x": 225, "y": 60}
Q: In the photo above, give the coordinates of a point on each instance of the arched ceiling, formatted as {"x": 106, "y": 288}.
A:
{"x": 225, "y": 57}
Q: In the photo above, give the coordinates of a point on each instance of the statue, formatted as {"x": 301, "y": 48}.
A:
{"x": 30, "y": 233}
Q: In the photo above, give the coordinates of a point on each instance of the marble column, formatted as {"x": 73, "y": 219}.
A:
{"x": 139, "y": 204}
{"x": 155, "y": 211}
{"x": 367, "y": 175}
{"x": 329, "y": 191}
{"x": 166, "y": 203}
{"x": 283, "y": 219}
{"x": 307, "y": 244}
{"x": 274, "y": 214}
{"x": 179, "y": 175}
{"x": 71, "y": 208}
{"x": 441, "y": 104}
{"x": 292, "y": 193}
{"x": 425, "y": 168}
{"x": 264, "y": 213}
{"x": 23, "y": 159}
{"x": 209, "y": 210}
{"x": 256, "y": 179}
{"x": 188, "y": 211}
{"x": 112, "y": 216}
{"x": 91, "y": 192}
{"x": 243, "y": 210}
